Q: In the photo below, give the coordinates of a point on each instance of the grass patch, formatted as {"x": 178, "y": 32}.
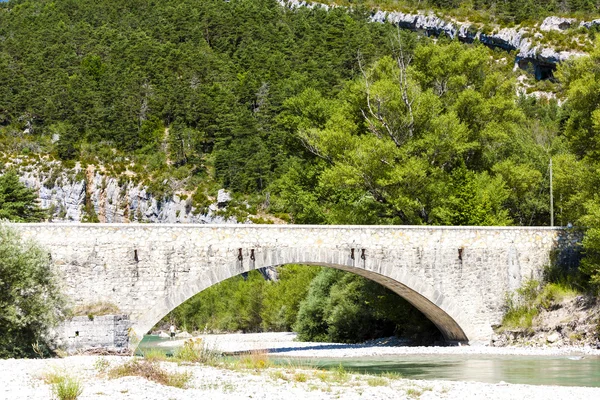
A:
{"x": 416, "y": 392}
{"x": 256, "y": 360}
{"x": 530, "y": 299}
{"x": 101, "y": 365}
{"x": 154, "y": 355}
{"x": 152, "y": 371}
{"x": 64, "y": 387}
{"x": 392, "y": 375}
{"x": 300, "y": 377}
{"x": 278, "y": 374}
{"x": 519, "y": 317}
{"x": 96, "y": 309}
{"x": 377, "y": 381}
{"x": 193, "y": 351}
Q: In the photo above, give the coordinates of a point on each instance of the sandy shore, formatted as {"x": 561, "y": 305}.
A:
{"x": 283, "y": 344}
{"x": 21, "y": 379}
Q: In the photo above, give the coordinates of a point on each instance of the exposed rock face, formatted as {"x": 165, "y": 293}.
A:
{"x": 508, "y": 38}
{"x": 572, "y": 322}
{"x": 223, "y": 197}
{"x": 543, "y": 59}
{"x": 556, "y": 24}
{"x": 73, "y": 197}
{"x": 590, "y": 24}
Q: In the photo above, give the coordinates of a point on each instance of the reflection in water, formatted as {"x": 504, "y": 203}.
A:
{"x": 532, "y": 370}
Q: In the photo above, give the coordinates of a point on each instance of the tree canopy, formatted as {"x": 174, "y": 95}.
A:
{"x": 17, "y": 202}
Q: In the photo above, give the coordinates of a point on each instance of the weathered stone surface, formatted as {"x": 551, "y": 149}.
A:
{"x": 457, "y": 276}
{"x": 223, "y": 197}
{"x": 66, "y": 193}
{"x": 590, "y": 24}
{"x": 553, "y": 337}
{"x": 107, "y": 332}
{"x": 556, "y": 24}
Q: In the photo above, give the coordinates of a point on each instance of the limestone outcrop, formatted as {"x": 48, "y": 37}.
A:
{"x": 543, "y": 58}
{"x": 77, "y": 195}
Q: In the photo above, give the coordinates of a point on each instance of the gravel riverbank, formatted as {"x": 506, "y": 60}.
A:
{"x": 283, "y": 344}
{"x": 23, "y": 379}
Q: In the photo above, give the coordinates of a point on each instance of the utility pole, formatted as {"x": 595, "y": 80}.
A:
{"x": 551, "y": 196}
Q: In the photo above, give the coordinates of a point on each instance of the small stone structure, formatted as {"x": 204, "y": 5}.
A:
{"x": 457, "y": 276}
{"x": 87, "y": 332}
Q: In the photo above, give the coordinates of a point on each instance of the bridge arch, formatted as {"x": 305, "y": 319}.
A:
{"x": 438, "y": 308}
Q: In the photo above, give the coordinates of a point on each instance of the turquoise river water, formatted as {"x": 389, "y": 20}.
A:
{"x": 532, "y": 370}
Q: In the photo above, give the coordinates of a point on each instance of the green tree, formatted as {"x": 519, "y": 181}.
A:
{"x": 18, "y": 203}
{"x": 578, "y": 178}
{"x": 30, "y": 300}
{"x": 343, "y": 307}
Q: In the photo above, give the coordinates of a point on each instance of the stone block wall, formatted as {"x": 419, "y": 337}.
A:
{"x": 108, "y": 332}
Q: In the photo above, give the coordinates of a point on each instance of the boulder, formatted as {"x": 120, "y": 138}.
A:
{"x": 556, "y": 24}
{"x": 553, "y": 337}
{"x": 223, "y": 197}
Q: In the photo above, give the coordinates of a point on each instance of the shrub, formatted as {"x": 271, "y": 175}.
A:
{"x": 30, "y": 300}
{"x": 152, "y": 371}
{"x": 67, "y": 388}
{"x": 257, "y": 359}
{"x": 194, "y": 351}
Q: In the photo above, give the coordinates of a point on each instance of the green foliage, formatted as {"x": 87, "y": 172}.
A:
{"x": 321, "y": 304}
{"x": 30, "y": 301}
{"x": 67, "y": 388}
{"x": 581, "y": 82}
{"x": 248, "y": 305}
{"x": 194, "y": 84}
{"x": 343, "y": 307}
{"x": 18, "y": 203}
{"x": 432, "y": 135}
{"x": 531, "y": 298}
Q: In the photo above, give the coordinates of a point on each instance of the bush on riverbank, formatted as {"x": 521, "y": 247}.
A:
{"x": 524, "y": 305}
{"x": 152, "y": 371}
{"x": 30, "y": 299}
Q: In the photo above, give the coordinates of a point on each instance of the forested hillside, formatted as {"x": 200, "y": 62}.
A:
{"x": 314, "y": 116}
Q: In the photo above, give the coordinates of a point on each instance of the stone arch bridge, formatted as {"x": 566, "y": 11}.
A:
{"x": 457, "y": 276}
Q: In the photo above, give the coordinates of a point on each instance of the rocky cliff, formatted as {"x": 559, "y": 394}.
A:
{"x": 88, "y": 195}
{"x": 542, "y": 58}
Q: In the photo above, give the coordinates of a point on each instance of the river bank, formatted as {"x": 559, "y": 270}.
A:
{"x": 27, "y": 379}
{"x": 23, "y": 379}
{"x": 284, "y": 344}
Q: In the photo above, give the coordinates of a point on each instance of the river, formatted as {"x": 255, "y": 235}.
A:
{"x": 571, "y": 370}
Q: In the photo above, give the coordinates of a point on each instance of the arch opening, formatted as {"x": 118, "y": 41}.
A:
{"x": 437, "y": 310}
